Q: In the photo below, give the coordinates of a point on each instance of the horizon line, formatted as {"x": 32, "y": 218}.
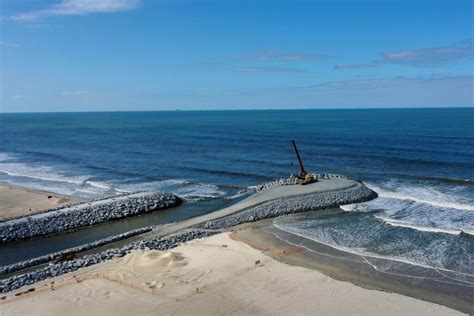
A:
{"x": 264, "y": 109}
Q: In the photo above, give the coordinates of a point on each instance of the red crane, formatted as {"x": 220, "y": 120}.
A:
{"x": 303, "y": 172}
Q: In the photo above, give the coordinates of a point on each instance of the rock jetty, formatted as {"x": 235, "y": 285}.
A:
{"x": 292, "y": 180}
{"x": 55, "y": 255}
{"x": 58, "y": 269}
{"x": 290, "y": 205}
{"x": 86, "y": 214}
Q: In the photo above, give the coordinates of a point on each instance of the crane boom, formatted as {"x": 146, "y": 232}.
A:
{"x": 303, "y": 172}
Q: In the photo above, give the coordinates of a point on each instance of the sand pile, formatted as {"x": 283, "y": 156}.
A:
{"x": 152, "y": 260}
{"x": 269, "y": 288}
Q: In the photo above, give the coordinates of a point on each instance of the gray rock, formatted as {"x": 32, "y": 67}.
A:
{"x": 58, "y": 269}
{"x": 90, "y": 215}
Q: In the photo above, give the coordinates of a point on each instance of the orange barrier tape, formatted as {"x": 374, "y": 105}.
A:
{"x": 276, "y": 252}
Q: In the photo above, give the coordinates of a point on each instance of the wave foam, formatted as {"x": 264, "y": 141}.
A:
{"x": 399, "y": 223}
{"x": 100, "y": 185}
{"x": 349, "y": 207}
{"x": 421, "y": 195}
{"x": 386, "y": 270}
{"x": 181, "y": 187}
{"x": 363, "y": 253}
{"x": 38, "y": 173}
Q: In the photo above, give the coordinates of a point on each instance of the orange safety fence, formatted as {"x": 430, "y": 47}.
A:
{"x": 127, "y": 283}
{"x": 52, "y": 286}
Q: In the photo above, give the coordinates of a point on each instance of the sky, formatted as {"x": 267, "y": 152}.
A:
{"x": 136, "y": 55}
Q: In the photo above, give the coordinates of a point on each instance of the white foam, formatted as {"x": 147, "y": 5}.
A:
{"x": 89, "y": 192}
{"x": 100, "y": 185}
{"x": 199, "y": 191}
{"x": 238, "y": 194}
{"x": 163, "y": 185}
{"x": 399, "y": 223}
{"x": 361, "y": 252}
{"x": 181, "y": 187}
{"x": 384, "y": 270}
{"x": 5, "y": 156}
{"x": 36, "y": 172}
{"x": 349, "y": 207}
{"x": 421, "y": 195}
{"x": 44, "y": 177}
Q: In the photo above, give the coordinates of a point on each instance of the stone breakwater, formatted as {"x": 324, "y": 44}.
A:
{"x": 68, "y": 206}
{"x": 292, "y": 180}
{"x": 296, "y": 204}
{"x": 53, "y": 256}
{"x": 86, "y": 214}
{"x": 58, "y": 269}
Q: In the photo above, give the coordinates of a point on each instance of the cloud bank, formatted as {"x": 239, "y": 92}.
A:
{"x": 274, "y": 56}
{"x": 264, "y": 69}
{"x": 77, "y": 7}
{"x": 426, "y": 57}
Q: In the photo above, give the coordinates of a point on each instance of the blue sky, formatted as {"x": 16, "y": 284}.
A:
{"x": 105, "y": 55}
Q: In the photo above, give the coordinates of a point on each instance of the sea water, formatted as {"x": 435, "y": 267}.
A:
{"x": 420, "y": 161}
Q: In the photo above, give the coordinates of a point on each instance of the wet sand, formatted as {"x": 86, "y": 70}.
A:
{"x": 367, "y": 272}
{"x": 210, "y": 276}
{"x": 17, "y": 201}
{"x": 249, "y": 271}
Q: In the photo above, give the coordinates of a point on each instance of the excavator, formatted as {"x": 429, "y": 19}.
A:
{"x": 303, "y": 176}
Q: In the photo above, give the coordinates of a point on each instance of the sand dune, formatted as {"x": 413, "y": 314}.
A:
{"x": 215, "y": 275}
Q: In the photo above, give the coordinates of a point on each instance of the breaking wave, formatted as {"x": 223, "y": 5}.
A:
{"x": 399, "y": 223}
{"x": 423, "y": 195}
{"x": 44, "y": 177}
{"x": 364, "y": 254}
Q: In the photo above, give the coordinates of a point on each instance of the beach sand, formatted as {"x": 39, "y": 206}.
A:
{"x": 215, "y": 275}
{"x": 16, "y": 201}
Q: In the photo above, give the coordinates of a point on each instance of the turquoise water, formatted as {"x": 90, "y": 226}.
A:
{"x": 420, "y": 161}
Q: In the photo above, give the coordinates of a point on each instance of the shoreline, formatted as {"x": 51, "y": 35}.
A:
{"x": 212, "y": 275}
{"x": 16, "y": 201}
{"x": 75, "y": 216}
{"x": 272, "y": 202}
{"x": 344, "y": 266}
{"x": 326, "y": 261}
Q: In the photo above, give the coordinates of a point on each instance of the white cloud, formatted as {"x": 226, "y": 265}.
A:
{"x": 268, "y": 69}
{"x": 275, "y": 56}
{"x": 425, "y": 57}
{"x": 75, "y": 93}
{"x": 354, "y": 66}
{"x": 18, "y": 97}
{"x": 434, "y": 56}
{"x": 78, "y": 7}
{"x": 10, "y": 45}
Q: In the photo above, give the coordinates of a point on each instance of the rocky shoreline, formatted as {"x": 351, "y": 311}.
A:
{"x": 68, "y": 205}
{"x": 58, "y": 269}
{"x": 278, "y": 207}
{"x": 297, "y": 204}
{"x": 86, "y": 214}
{"x": 54, "y": 256}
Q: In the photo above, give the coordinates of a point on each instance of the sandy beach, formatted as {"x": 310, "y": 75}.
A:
{"x": 214, "y": 275}
{"x": 17, "y": 201}
{"x": 245, "y": 270}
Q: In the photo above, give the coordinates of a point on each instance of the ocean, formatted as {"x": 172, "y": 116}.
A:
{"x": 420, "y": 161}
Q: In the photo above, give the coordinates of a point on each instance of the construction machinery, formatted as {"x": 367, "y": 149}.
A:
{"x": 303, "y": 176}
